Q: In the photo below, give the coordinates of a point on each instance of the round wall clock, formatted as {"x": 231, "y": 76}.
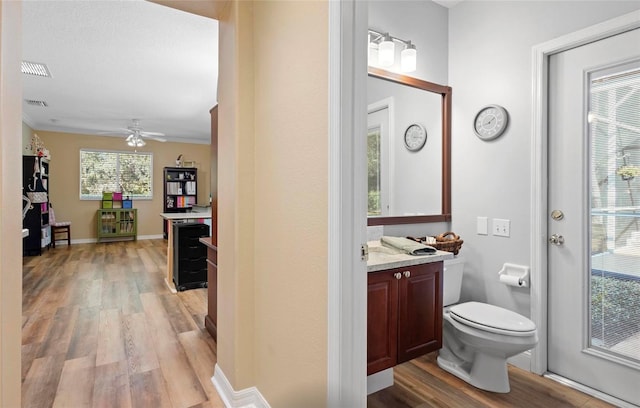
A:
{"x": 415, "y": 137}
{"x": 490, "y": 122}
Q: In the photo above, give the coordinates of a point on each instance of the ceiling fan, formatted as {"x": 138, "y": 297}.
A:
{"x": 136, "y": 134}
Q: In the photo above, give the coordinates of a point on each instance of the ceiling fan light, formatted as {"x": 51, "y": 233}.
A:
{"x": 135, "y": 141}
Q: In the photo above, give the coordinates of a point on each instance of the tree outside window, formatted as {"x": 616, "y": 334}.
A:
{"x": 130, "y": 173}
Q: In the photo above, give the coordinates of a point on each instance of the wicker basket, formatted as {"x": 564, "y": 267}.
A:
{"x": 449, "y": 241}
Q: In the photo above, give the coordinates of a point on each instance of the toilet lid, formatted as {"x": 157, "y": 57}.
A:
{"x": 492, "y": 318}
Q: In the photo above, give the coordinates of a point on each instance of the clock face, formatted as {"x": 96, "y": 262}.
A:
{"x": 491, "y": 122}
{"x": 415, "y": 137}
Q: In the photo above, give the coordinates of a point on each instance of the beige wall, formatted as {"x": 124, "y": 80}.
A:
{"x": 10, "y": 203}
{"x": 291, "y": 167}
{"x": 272, "y": 235}
{"x": 27, "y": 132}
{"x": 235, "y": 196}
{"x": 64, "y": 179}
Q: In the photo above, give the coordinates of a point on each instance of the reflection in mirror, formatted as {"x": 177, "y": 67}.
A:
{"x": 405, "y": 185}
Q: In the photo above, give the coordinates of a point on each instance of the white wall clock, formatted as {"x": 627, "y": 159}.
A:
{"x": 415, "y": 137}
{"x": 490, "y": 122}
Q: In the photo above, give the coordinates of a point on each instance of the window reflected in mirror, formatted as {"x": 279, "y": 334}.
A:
{"x": 373, "y": 171}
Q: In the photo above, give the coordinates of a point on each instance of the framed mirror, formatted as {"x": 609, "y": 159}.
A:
{"x": 408, "y": 150}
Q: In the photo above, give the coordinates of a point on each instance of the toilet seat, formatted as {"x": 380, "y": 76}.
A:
{"x": 492, "y": 319}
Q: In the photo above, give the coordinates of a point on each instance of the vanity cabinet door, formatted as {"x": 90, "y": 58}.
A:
{"x": 420, "y": 311}
{"x": 382, "y": 321}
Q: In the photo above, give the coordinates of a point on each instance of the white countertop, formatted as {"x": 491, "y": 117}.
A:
{"x": 382, "y": 258}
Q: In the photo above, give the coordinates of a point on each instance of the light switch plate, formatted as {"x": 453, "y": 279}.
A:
{"x": 501, "y": 228}
{"x": 482, "y": 226}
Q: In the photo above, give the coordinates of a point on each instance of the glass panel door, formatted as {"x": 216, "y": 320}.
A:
{"x": 614, "y": 118}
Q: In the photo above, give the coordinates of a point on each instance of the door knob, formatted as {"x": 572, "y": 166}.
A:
{"x": 397, "y": 275}
{"x": 407, "y": 274}
{"x": 556, "y": 239}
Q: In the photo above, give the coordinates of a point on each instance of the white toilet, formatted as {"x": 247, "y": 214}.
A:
{"x": 478, "y": 338}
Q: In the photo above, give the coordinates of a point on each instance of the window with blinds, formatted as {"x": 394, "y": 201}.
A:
{"x": 128, "y": 172}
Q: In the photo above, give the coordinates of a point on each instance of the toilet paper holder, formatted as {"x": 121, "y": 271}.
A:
{"x": 514, "y": 275}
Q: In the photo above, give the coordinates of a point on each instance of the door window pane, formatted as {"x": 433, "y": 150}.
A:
{"x": 614, "y": 119}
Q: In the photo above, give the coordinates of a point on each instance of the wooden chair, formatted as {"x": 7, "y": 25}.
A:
{"x": 59, "y": 227}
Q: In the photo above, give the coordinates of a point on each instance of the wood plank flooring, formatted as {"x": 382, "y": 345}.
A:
{"x": 420, "y": 383}
{"x": 101, "y": 329}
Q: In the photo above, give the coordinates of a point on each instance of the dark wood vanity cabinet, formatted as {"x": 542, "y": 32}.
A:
{"x": 404, "y": 314}
{"x": 211, "y": 319}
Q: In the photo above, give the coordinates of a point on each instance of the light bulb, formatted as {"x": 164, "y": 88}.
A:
{"x": 386, "y": 51}
{"x": 408, "y": 58}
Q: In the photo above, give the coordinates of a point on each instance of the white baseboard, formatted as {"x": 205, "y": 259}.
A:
{"x": 589, "y": 391}
{"x": 247, "y": 398}
{"x": 522, "y": 360}
{"x": 379, "y": 380}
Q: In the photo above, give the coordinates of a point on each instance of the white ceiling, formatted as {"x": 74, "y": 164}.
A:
{"x": 117, "y": 60}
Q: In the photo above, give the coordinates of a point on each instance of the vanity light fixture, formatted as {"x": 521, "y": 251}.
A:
{"x": 408, "y": 58}
{"x": 385, "y": 44}
{"x": 386, "y": 51}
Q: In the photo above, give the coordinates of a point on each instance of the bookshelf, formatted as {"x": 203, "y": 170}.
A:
{"x": 180, "y": 188}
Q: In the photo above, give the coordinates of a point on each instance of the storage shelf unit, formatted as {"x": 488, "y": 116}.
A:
{"x": 180, "y": 188}
{"x": 190, "y": 255}
{"x": 117, "y": 223}
{"x": 35, "y": 178}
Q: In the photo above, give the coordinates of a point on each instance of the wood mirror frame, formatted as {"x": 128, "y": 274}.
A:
{"x": 445, "y": 92}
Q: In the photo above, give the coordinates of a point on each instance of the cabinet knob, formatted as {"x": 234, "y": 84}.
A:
{"x": 407, "y": 274}
{"x": 397, "y": 275}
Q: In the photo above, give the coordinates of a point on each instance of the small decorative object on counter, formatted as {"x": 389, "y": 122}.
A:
{"x": 449, "y": 242}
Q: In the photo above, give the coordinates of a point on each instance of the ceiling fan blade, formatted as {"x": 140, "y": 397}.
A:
{"x": 115, "y": 133}
{"x": 143, "y": 133}
{"x": 158, "y": 139}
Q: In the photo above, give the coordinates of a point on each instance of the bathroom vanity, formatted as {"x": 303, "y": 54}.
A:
{"x": 404, "y": 306}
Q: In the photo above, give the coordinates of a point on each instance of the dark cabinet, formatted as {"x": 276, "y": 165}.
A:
{"x": 404, "y": 314}
{"x": 190, "y": 256}
{"x": 35, "y": 185}
{"x": 211, "y": 320}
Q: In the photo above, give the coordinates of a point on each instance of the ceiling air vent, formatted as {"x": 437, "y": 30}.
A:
{"x": 33, "y": 102}
{"x": 35, "y": 68}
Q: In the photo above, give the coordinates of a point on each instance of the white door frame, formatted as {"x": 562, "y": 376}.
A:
{"x": 347, "y": 215}
{"x": 539, "y": 210}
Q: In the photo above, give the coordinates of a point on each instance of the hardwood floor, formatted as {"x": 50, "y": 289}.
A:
{"x": 420, "y": 383}
{"x": 101, "y": 329}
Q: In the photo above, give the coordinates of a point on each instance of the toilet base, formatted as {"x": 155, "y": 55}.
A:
{"x": 487, "y": 372}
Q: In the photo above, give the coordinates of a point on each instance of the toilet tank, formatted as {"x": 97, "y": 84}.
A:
{"x": 452, "y": 280}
